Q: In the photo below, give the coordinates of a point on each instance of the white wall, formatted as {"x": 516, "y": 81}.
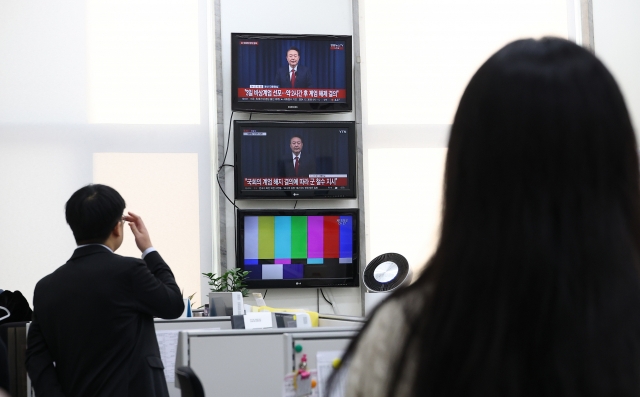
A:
{"x": 67, "y": 68}
{"x": 430, "y": 49}
{"x": 617, "y": 42}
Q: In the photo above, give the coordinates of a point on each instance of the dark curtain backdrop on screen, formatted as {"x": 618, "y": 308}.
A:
{"x": 260, "y": 154}
{"x": 258, "y": 64}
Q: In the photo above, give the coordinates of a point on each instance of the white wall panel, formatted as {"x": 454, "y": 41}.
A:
{"x": 163, "y": 189}
{"x": 43, "y": 74}
{"x": 143, "y": 61}
{"x": 417, "y": 58}
{"x": 35, "y": 182}
{"x": 419, "y": 55}
{"x": 404, "y": 197}
{"x": 46, "y": 140}
{"x": 617, "y": 42}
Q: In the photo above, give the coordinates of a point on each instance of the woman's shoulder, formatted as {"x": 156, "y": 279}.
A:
{"x": 380, "y": 345}
{"x": 391, "y": 315}
{"x": 397, "y": 312}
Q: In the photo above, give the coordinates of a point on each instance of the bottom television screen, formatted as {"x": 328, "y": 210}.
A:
{"x": 298, "y": 248}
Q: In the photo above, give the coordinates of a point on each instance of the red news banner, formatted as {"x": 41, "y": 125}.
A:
{"x": 295, "y": 182}
{"x": 298, "y": 93}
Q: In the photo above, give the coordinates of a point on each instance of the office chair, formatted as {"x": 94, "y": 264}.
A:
{"x": 4, "y": 367}
{"x": 190, "y": 385}
{"x": 14, "y": 337}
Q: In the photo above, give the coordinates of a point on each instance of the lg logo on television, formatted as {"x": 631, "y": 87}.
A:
{"x": 337, "y": 46}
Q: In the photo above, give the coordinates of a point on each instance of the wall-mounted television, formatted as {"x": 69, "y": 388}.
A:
{"x": 291, "y": 73}
{"x": 294, "y": 160}
{"x": 298, "y": 248}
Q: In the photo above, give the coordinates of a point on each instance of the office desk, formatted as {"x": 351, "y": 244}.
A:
{"x": 187, "y": 323}
{"x": 277, "y": 356}
{"x": 178, "y": 324}
{"x": 190, "y": 323}
{"x": 254, "y": 362}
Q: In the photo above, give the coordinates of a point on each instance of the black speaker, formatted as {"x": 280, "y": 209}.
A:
{"x": 386, "y": 273}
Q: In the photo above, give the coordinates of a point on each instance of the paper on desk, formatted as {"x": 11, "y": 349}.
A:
{"x": 289, "y": 391}
{"x": 324, "y": 362}
{"x": 202, "y": 329}
{"x": 168, "y": 343}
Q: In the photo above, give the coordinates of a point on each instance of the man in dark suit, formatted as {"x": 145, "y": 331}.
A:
{"x": 92, "y": 332}
{"x": 294, "y": 165}
{"x": 294, "y": 75}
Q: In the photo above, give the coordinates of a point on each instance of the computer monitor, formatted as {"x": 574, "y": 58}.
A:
{"x": 262, "y": 79}
{"x": 265, "y": 160}
{"x": 298, "y": 248}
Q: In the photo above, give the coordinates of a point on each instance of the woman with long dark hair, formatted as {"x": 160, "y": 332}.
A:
{"x": 534, "y": 288}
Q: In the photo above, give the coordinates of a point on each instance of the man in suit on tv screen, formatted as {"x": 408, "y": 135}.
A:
{"x": 92, "y": 332}
{"x": 296, "y": 165}
{"x": 294, "y": 75}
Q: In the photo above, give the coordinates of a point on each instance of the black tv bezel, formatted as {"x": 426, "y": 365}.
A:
{"x": 239, "y": 194}
{"x": 310, "y": 283}
{"x": 286, "y": 107}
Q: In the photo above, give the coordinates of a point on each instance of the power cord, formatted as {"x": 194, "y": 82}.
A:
{"x": 228, "y": 141}
{"x": 220, "y": 185}
{"x": 327, "y": 300}
{"x": 226, "y": 165}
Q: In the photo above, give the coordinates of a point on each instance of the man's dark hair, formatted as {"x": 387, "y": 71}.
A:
{"x": 294, "y": 49}
{"x": 92, "y": 212}
{"x": 296, "y": 136}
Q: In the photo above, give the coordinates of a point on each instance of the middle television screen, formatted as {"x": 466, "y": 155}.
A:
{"x": 295, "y": 160}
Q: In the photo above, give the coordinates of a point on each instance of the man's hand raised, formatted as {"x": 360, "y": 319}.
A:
{"x": 140, "y": 232}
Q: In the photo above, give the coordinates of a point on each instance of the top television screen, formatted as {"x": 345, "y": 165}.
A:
{"x": 283, "y": 73}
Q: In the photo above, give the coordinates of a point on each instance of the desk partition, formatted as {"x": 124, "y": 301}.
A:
{"x": 254, "y": 362}
{"x": 190, "y": 323}
{"x": 245, "y": 362}
{"x": 332, "y": 320}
